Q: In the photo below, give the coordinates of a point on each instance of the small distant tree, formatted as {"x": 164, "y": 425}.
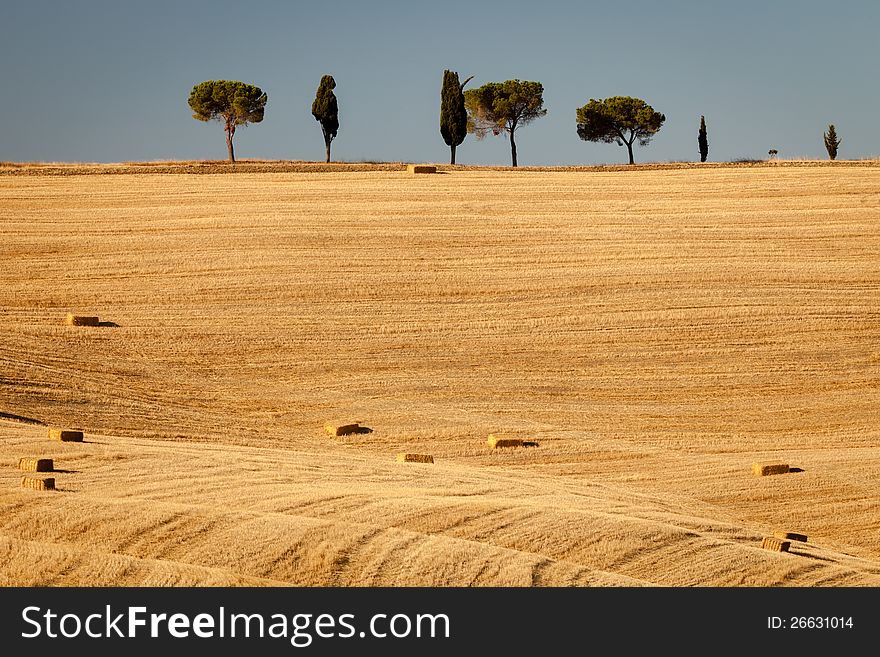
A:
{"x": 326, "y": 111}
{"x": 453, "y": 114}
{"x": 702, "y": 140}
{"x": 772, "y": 152}
{"x": 502, "y": 107}
{"x": 620, "y": 119}
{"x": 231, "y": 102}
{"x": 831, "y": 142}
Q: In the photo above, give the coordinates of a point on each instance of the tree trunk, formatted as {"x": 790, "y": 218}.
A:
{"x": 231, "y": 150}
{"x": 629, "y": 147}
{"x": 327, "y": 144}
{"x": 512, "y": 148}
{"x": 452, "y": 159}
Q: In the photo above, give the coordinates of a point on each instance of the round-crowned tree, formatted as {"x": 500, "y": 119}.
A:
{"x": 620, "y": 119}
{"x": 230, "y": 102}
{"x": 502, "y": 107}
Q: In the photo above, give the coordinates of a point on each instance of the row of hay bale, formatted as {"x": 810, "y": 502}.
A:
{"x": 779, "y": 542}
{"x": 494, "y": 441}
{"x": 781, "y": 539}
{"x": 336, "y": 429}
{"x": 29, "y": 464}
{"x": 32, "y": 464}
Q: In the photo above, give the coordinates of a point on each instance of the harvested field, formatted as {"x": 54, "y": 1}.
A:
{"x": 656, "y": 331}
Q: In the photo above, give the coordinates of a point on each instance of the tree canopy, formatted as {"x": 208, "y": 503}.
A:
{"x": 326, "y": 111}
{"x": 702, "y": 140}
{"x": 831, "y": 142}
{"x": 620, "y": 119}
{"x": 502, "y": 107}
{"x": 453, "y": 115}
{"x": 231, "y": 102}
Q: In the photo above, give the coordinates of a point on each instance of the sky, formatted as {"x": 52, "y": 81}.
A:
{"x": 108, "y": 80}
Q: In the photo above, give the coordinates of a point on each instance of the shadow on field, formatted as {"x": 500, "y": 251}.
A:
{"x": 807, "y": 555}
{"x": 20, "y": 418}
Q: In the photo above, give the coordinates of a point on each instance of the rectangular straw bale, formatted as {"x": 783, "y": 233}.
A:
{"x": 37, "y": 483}
{"x": 35, "y": 465}
{"x": 341, "y": 429}
{"x": 66, "y": 435}
{"x": 772, "y": 543}
{"x": 793, "y": 536}
{"x": 80, "y": 320}
{"x": 421, "y": 168}
{"x": 500, "y": 441}
{"x": 762, "y": 469}
{"x": 414, "y": 458}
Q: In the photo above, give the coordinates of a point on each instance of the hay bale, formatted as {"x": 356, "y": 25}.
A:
{"x": 35, "y": 465}
{"x": 80, "y": 320}
{"x": 421, "y": 168}
{"x": 773, "y": 543}
{"x": 499, "y": 441}
{"x": 403, "y": 457}
{"x": 341, "y": 429}
{"x": 763, "y": 469}
{"x": 66, "y": 435}
{"x": 792, "y": 536}
{"x": 38, "y": 483}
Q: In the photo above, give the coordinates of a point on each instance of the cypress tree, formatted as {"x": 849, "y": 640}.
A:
{"x": 702, "y": 141}
{"x": 325, "y": 110}
{"x": 453, "y": 115}
{"x": 831, "y": 142}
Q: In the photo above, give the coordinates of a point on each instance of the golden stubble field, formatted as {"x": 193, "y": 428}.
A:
{"x": 654, "y": 331}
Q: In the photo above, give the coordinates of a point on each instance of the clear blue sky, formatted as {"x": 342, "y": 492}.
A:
{"x": 108, "y": 80}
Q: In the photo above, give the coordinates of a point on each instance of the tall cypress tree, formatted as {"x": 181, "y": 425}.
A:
{"x": 453, "y": 115}
{"x": 831, "y": 142}
{"x": 325, "y": 110}
{"x": 702, "y": 141}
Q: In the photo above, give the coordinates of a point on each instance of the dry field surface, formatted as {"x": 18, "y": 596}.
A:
{"x": 649, "y": 333}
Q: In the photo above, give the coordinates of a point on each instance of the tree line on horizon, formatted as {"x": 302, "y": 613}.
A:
{"x": 496, "y": 107}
